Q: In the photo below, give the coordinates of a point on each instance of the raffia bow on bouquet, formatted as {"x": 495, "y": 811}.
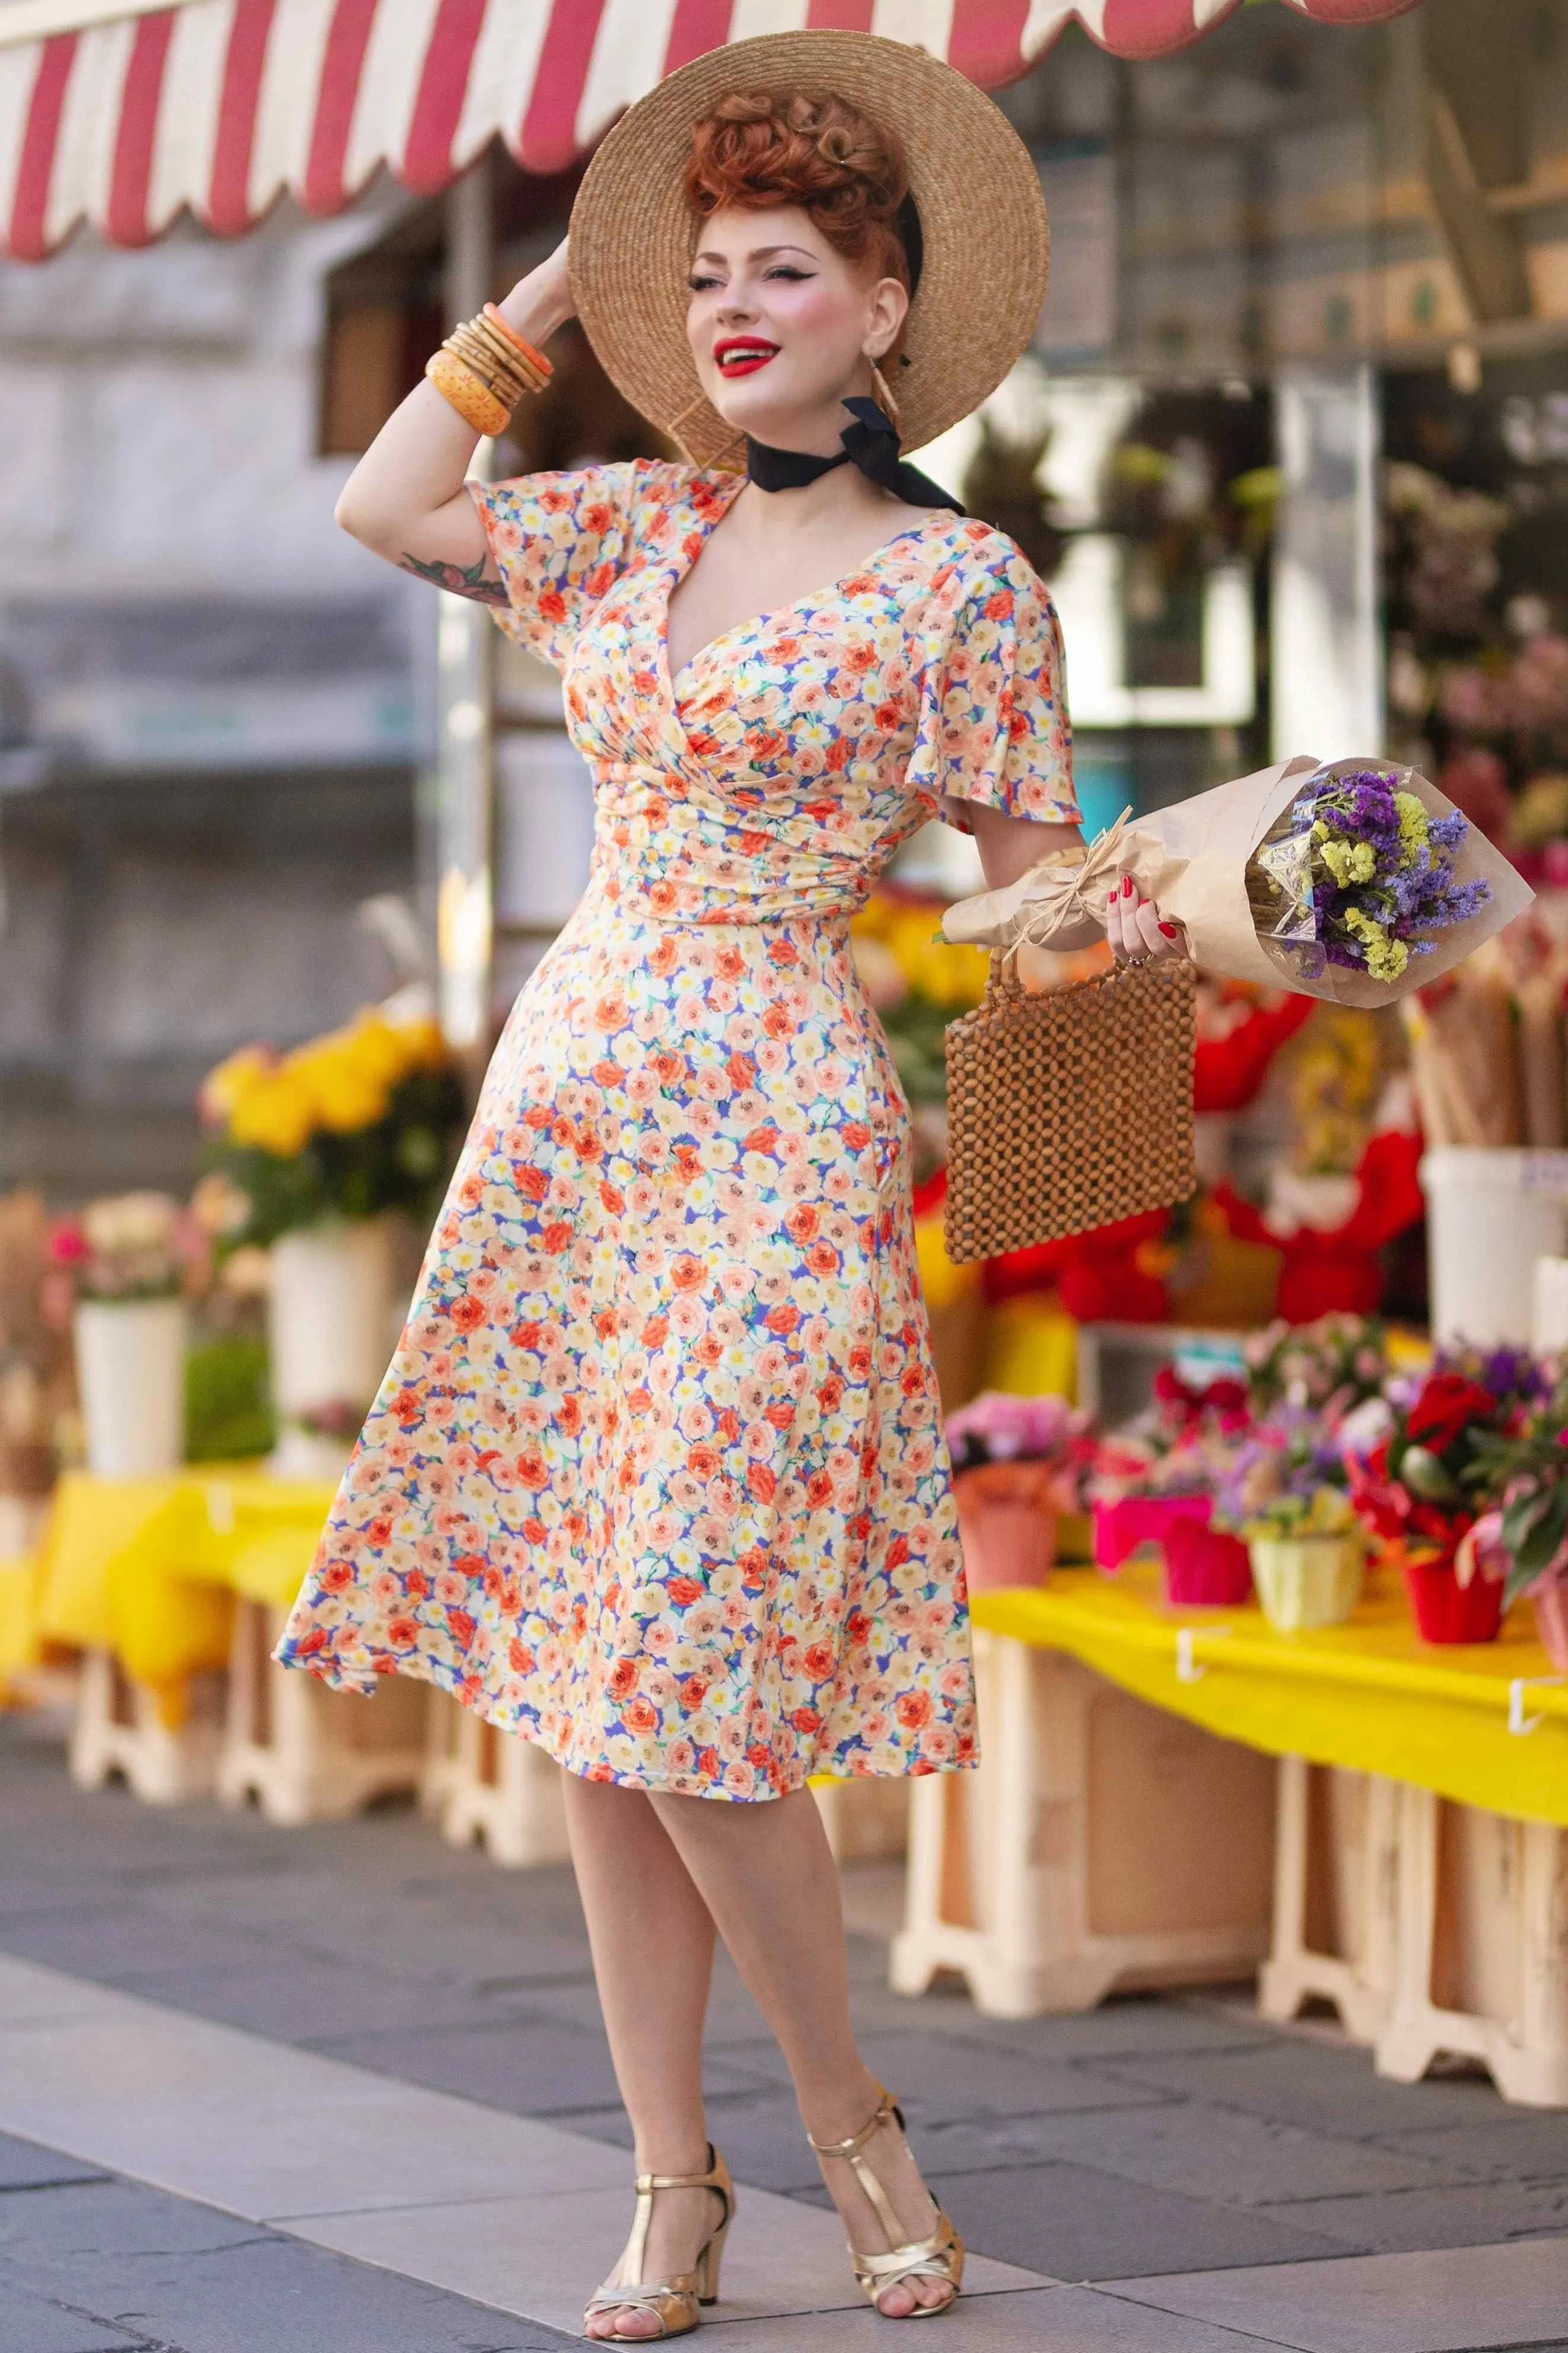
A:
{"x": 1236, "y": 867}
{"x": 1072, "y": 1109}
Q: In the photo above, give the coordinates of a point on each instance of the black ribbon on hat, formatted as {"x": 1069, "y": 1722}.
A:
{"x": 871, "y": 442}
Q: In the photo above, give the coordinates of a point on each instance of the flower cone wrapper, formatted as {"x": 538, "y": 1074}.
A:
{"x": 1191, "y": 859}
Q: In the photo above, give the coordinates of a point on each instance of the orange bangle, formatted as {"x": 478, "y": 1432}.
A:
{"x": 474, "y": 402}
{"x": 526, "y": 348}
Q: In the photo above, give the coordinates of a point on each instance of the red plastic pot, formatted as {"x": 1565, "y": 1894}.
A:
{"x": 1446, "y": 1611}
{"x": 1007, "y": 1522}
{"x": 1552, "y": 1620}
{"x": 1121, "y": 1527}
{"x": 1205, "y": 1568}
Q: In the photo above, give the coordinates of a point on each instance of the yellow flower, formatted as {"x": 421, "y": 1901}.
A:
{"x": 277, "y": 1116}
{"x": 1350, "y": 861}
{"x": 1414, "y": 826}
{"x": 422, "y": 1044}
{"x": 226, "y": 1087}
{"x": 946, "y": 974}
{"x": 346, "y": 1091}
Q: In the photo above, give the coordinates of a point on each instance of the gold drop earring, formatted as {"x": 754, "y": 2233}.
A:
{"x": 884, "y": 390}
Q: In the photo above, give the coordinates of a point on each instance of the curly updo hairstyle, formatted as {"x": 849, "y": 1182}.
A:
{"x": 820, "y": 154}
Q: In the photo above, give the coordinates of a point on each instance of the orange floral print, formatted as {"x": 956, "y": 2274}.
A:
{"x": 656, "y": 1476}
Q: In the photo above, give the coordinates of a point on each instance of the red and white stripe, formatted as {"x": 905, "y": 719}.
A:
{"x": 124, "y": 113}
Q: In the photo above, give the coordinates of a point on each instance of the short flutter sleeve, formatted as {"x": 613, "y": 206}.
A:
{"x": 994, "y": 722}
{"x": 560, "y": 541}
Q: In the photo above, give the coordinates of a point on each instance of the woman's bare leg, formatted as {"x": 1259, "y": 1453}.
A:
{"x": 652, "y": 1940}
{"x": 767, "y": 1877}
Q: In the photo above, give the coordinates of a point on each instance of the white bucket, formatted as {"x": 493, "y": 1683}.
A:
{"x": 1550, "y": 1335}
{"x": 331, "y": 1314}
{"x": 131, "y": 1372}
{"x": 1491, "y": 1216}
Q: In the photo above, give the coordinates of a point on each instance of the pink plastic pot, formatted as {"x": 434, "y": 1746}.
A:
{"x": 1121, "y": 1527}
{"x": 1552, "y": 1620}
{"x": 1446, "y": 1611}
{"x": 1007, "y": 1522}
{"x": 1205, "y": 1568}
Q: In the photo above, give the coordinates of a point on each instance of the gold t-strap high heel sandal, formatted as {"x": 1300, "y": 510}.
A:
{"x": 673, "y": 2300}
{"x": 939, "y": 2255}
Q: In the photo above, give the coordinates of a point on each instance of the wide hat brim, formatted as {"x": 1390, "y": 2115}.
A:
{"x": 985, "y": 240}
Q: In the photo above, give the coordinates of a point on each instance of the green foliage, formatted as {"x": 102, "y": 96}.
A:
{"x": 228, "y": 1407}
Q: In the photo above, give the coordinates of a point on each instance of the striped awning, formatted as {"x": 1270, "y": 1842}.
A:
{"x": 126, "y": 113}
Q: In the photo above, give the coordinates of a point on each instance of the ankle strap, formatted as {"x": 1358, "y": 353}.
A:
{"x": 715, "y": 2178}
{"x": 887, "y": 2112}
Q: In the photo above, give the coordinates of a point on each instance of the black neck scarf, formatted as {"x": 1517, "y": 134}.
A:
{"x": 871, "y": 442}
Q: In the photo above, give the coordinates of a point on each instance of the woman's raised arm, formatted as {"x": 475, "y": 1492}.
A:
{"x": 406, "y": 499}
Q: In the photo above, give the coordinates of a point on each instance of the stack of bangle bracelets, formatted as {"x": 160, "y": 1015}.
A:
{"x": 484, "y": 368}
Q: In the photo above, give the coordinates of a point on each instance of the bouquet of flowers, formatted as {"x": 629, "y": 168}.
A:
{"x": 1332, "y": 1364}
{"x": 129, "y": 1246}
{"x": 358, "y": 1122}
{"x": 1348, "y": 881}
{"x": 1358, "y": 873}
{"x": 996, "y": 1427}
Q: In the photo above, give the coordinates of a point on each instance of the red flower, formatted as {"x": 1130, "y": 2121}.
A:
{"x": 1447, "y": 1405}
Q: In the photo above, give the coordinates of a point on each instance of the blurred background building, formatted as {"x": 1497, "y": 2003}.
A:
{"x": 1292, "y": 448}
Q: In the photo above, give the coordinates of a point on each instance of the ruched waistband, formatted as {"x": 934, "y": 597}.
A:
{"x": 727, "y": 889}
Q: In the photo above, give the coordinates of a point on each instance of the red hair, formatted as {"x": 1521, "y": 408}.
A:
{"x": 818, "y": 153}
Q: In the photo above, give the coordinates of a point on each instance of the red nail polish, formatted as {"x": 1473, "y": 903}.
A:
{"x": 1170, "y": 930}
{"x": 1110, "y": 898}
{"x": 1127, "y": 886}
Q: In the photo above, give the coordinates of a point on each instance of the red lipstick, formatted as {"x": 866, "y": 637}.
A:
{"x": 742, "y": 354}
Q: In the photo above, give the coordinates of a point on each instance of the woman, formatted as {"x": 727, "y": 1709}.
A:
{"x": 657, "y": 1478}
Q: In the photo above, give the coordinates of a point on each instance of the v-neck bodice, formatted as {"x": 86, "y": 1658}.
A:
{"x": 777, "y": 771}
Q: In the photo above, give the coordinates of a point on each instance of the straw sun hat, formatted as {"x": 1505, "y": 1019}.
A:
{"x": 985, "y": 247}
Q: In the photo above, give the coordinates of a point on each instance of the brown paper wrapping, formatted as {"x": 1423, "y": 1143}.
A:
{"x": 1462, "y": 1063}
{"x": 1540, "y": 1002}
{"x": 1191, "y": 861}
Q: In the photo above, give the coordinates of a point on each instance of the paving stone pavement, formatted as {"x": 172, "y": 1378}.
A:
{"x": 1203, "y": 2182}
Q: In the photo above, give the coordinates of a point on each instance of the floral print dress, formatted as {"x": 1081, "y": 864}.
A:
{"x": 657, "y": 1478}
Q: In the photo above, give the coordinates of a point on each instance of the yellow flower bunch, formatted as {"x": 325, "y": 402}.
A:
{"x": 340, "y": 1083}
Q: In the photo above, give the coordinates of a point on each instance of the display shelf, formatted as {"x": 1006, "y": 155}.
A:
{"x": 1484, "y": 1723}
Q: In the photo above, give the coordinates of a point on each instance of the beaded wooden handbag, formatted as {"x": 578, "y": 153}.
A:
{"x": 1069, "y": 1108}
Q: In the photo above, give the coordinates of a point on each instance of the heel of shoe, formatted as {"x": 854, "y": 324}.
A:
{"x": 708, "y": 2263}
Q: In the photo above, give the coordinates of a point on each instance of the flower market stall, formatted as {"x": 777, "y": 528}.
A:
{"x": 1344, "y": 1554}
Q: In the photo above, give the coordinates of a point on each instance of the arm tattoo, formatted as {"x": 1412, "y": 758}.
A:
{"x": 458, "y": 580}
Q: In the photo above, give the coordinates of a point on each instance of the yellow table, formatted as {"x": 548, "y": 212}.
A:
{"x": 1484, "y": 1723}
{"x": 148, "y": 1568}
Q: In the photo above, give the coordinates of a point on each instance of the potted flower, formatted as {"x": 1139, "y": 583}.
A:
{"x": 330, "y": 1146}
{"x": 1422, "y": 1487}
{"x": 1528, "y": 1526}
{"x": 1286, "y": 1496}
{"x": 1156, "y": 1482}
{"x": 126, "y": 1259}
{"x": 1011, "y": 1466}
